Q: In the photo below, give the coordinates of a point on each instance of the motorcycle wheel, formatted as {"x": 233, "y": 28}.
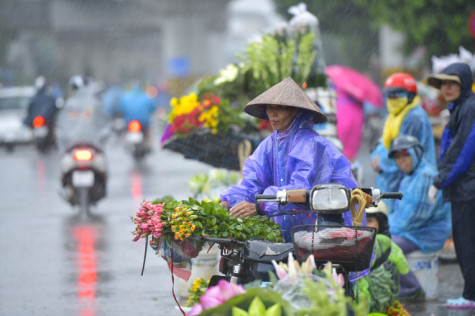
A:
{"x": 83, "y": 202}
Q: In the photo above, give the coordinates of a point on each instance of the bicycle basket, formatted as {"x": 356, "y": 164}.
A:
{"x": 348, "y": 246}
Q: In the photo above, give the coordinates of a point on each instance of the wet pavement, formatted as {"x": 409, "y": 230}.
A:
{"x": 54, "y": 263}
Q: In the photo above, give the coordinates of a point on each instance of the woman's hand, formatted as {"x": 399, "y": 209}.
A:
{"x": 375, "y": 164}
{"x": 225, "y": 204}
{"x": 243, "y": 209}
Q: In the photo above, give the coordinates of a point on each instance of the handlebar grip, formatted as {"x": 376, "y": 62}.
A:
{"x": 391, "y": 195}
{"x": 297, "y": 196}
{"x": 264, "y": 197}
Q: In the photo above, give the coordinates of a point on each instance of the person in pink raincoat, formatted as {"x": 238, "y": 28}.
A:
{"x": 350, "y": 122}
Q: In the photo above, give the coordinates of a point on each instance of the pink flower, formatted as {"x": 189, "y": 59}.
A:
{"x": 229, "y": 290}
{"x": 216, "y": 295}
{"x": 279, "y": 269}
{"x": 211, "y": 298}
{"x": 195, "y": 310}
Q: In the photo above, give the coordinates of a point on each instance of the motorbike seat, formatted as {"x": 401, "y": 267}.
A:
{"x": 266, "y": 251}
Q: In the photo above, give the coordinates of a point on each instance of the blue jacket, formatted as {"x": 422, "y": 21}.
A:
{"x": 414, "y": 217}
{"x": 298, "y": 158}
{"x": 41, "y": 104}
{"x": 415, "y": 123}
{"x": 136, "y": 105}
{"x": 456, "y": 164}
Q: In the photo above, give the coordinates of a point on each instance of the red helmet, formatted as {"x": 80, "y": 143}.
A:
{"x": 400, "y": 80}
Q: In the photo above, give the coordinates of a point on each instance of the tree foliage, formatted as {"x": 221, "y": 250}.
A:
{"x": 440, "y": 25}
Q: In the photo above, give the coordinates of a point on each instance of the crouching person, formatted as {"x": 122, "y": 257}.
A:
{"x": 381, "y": 285}
{"x": 415, "y": 223}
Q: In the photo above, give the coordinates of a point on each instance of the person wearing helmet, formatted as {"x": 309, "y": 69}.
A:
{"x": 415, "y": 223}
{"x": 407, "y": 117}
{"x": 456, "y": 176}
{"x": 381, "y": 285}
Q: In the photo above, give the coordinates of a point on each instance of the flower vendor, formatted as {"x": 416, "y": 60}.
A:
{"x": 294, "y": 156}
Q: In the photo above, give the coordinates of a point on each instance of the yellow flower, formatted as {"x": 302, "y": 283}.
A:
{"x": 185, "y": 105}
{"x": 197, "y": 284}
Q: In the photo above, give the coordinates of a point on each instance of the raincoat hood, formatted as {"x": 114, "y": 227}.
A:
{"x": 414, "y": 217}
{"x": 462, "y": 71}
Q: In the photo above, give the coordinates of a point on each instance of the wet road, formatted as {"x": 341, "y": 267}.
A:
{"x": 52, "y": 263}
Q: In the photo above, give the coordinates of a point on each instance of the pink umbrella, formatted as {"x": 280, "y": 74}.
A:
{"x": 355, "y": 84}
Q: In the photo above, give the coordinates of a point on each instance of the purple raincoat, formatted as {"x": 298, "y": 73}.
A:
{"x": 298, "y": 158}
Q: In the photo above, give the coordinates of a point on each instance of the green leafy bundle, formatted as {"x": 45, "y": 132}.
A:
{"x": 191, "y": 218}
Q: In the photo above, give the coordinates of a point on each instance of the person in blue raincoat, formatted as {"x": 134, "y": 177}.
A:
{"x": 293, "y": 157}
{"x": 415, "y": 223}
{"x": 136, "y": 105}
{"x": 406, "y": 117}
{"x": 456, "y": 177}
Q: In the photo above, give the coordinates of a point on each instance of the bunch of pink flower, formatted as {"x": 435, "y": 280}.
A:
{"x": 216, "y": 295}
{"x": 148, "y": 221}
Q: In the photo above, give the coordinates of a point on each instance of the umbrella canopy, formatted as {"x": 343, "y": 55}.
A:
{"x": 355, "y": 84}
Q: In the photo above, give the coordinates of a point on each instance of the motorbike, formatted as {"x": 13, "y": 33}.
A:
{"x": 135, "y": 141}
{"x": 43, "y": 134}
{"x": 348, "y": 248}
{"x": 83, "y": 176}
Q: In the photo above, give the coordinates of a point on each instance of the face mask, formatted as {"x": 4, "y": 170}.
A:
{"x": 396, "y": 105}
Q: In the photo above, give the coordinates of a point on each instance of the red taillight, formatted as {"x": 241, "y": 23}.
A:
{"x": 83, "y": 155}
{"x": 134, "y": 126}
{"x": 38, "y": 121}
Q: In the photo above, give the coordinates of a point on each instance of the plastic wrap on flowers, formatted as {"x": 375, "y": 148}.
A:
{"x": 292, "y": 291}
{"x": 178, "y": 255}
{"x": 217, "y": 150}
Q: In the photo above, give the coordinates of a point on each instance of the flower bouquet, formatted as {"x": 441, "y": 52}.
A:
{"x": 193, "y": 131}
{"x": 175, "y": 229}
{"x": 296, "y": 290}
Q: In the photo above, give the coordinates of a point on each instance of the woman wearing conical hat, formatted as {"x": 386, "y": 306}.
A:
{"x": 294, "y": 156}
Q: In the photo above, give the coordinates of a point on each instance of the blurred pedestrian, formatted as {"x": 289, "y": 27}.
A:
{"x": 406, "y": 117}
{"x": 415, "y": 223}
{"x": 381, "y": 285}
{"x": 456, "y": 176}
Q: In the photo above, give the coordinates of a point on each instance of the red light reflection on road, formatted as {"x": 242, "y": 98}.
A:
{"x": 41, "y": 173}
{"x": 136, "y": 182}
{"x": 87, "y": 279}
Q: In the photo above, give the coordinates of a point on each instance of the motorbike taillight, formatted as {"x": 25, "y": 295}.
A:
{"x": 83, "y": 155}
{"x": 134, "y": 126}
{"x": 38, "y": 121}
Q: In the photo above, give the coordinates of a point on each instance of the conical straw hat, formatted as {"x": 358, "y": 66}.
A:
{"x": 286, "y": 93}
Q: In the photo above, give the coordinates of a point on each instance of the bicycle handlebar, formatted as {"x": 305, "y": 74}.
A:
{"x": 391, "y": 195}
